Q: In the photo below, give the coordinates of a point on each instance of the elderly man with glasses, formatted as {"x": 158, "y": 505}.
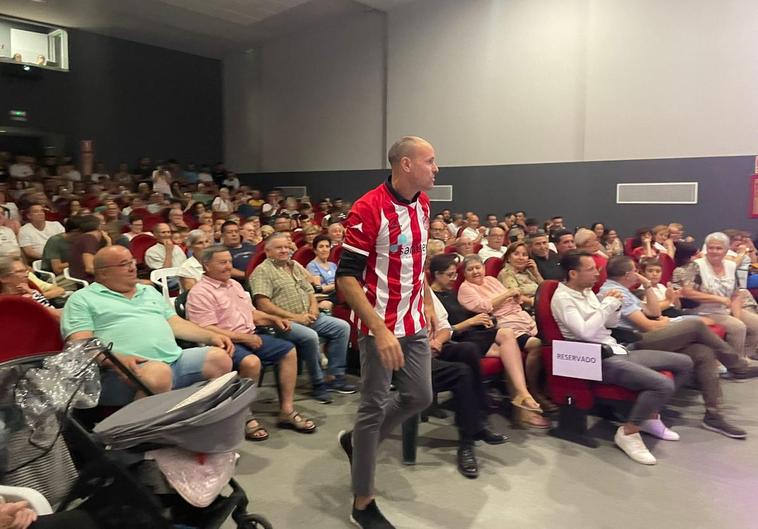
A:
{"x": 143, "y": 329}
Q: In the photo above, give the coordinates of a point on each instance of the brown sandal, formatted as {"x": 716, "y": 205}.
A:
{"x": 531, "y": 419}
{"x": 522, "y": 400}
{"x": 297, "y": 422}
{"x": 251, "y": 431}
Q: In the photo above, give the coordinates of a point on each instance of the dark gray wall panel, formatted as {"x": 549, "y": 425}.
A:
{"x": 584, "y": 192}
{"x": 132, "y": 99}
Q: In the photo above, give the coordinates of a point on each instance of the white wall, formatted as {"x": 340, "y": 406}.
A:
{"x": 512, "y": 81}
{"x": 319, "y": 100}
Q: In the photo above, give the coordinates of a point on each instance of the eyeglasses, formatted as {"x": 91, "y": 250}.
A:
{"x": 126, "y": 264}
{"x": 451, "y": 275}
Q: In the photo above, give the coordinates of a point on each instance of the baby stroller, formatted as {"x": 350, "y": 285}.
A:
{"x": 115, "y": 484}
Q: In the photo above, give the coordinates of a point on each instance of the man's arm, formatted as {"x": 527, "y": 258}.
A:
{"x": 386, "y": 343}
{"x": 429, "y": 313}
{"x": 168, "y": 260}
{"x": 652, "y": 306}
{"x": 186, "y": 330}
{"x": 568, "y": 313}
{"x": 264, "y": 304}
{"x": 30, "y": 253}
{"x": 58, "y": 266}
{"x": 645, "y": 324}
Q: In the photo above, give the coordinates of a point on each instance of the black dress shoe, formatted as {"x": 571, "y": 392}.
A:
{"x": 490, "y": 437}
{"x": 467, "y": 464}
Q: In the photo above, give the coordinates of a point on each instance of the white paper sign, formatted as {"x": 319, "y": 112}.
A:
{"x": 577, "y": 360}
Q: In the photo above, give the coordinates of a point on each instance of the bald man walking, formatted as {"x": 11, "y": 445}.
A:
{"x": 381, "y": 275}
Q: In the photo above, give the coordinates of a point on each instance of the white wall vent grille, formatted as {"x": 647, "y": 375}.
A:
{"x": 657, "y": 193}
{"x": 441, "y": 194}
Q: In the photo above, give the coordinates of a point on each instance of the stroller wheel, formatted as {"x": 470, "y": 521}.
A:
{"x": 254, "y": 521}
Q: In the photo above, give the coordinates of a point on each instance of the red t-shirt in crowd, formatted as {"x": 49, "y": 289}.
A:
{"x": 392, "y": 234}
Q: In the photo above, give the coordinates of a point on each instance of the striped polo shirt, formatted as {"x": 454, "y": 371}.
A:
{"x": 391, "y": 233}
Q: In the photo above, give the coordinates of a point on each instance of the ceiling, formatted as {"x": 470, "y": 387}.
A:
{"x": 211, "y": 28}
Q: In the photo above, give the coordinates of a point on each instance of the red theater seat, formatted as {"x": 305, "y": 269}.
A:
{"x": 492, "y": 266}
{"x": 140, "y": 244}
{"x": 255, "y": 261}
{"x": 304, "y": 255}
{"x": 27, "y": 329}
{"x": 576, "y": 397}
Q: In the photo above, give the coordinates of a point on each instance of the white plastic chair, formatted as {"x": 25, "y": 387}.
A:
{"x": 78, "y": 281}
{"x": 36, "y": 501}
{"x": 46, "y": 276}
{"x": 160, "y": 278}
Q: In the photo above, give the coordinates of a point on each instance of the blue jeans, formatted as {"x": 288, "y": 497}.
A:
{"x": 336, "y": 332}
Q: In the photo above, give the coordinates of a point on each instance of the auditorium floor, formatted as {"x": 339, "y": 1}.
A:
{"x": 533, "y": 481}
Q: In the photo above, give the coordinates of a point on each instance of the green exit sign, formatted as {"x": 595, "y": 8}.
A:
{"x": 18, "y": 115}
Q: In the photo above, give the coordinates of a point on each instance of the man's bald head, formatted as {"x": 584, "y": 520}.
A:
{"x": 404, "y": 147}
{"x": 111, "y": 255}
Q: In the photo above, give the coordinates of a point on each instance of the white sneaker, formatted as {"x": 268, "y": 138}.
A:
{"x": 633, "y": 446}
{"x": 656, "y": 428}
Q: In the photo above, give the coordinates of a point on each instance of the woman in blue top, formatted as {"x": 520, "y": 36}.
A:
{"x": 324, "y": 271}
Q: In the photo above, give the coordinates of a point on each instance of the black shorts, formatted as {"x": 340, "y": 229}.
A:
{"x": 521, "y": 340}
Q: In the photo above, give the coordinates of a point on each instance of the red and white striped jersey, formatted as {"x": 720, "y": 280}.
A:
{"x": 392, "y": 234}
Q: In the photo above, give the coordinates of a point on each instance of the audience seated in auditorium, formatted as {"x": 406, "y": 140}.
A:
{"x": 662, "y": 243}
{"x": 711, "y": 282}
{"x": 84, "y": 244}
{"x": 309, "y": 234}
{"x": 464, "y": 246}
{"x": 470, "y": 327}
{"x": 473, "y": 229}
{"x": 456, "y": 224}
{"x": 324, "y": 271}
{"x": 242, "y": 252}
{"x": 143, "y": 329}
{"x": 438, "y": 230}
{"x": 281, "y": 287}
{"x": 494, "y": 245}
{"x": 164, "y": 254}
{"x": 191, "y": 270}
{"x": 520, "y": 272}
{"x": 563, "y": 240}
{"x": 336, "y": 232}
{"x": 219, "y": 304}
{"x": 8, "y": 240}
{"x": 548, "y": 262}
{"x": 136, "y": 226}
{"x": 456, "y": 368}
{"x": 434, "y": 247}
{"x": 34, "y": 234}
{"x": 14, "y": 281}
{"x": 668, "y": 297}
{"x": 582, "y": 317}
{"x": 612, "y": 243}
{"x": 651, "y": 330}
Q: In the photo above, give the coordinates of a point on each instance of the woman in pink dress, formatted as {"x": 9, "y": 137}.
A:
{"x": 483, "y": 294}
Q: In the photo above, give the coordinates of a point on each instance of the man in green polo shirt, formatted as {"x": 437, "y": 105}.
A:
{"x": 143, "y": 329}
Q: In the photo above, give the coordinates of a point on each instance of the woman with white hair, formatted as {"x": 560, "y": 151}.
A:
{"x": 714, "y": 286}
{"x": 191, "y": 270}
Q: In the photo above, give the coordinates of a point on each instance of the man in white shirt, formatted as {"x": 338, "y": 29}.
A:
{"x": 22, "y": 169}
{"x": 473, "y": 230}
{"x": 33, "y": 235}
{"x": 582, "y": 317}
{"x": 8, "y": 242}
{"x": 457, "y": 224}
{"x": 494, "y": 245}
{"x": 165, "y": 254}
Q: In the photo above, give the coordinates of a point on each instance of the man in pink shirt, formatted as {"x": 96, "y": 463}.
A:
{"x": 220, "y": 304}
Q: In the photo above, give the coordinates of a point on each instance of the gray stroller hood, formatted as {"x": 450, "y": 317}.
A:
{"x": 207, "y": 417}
